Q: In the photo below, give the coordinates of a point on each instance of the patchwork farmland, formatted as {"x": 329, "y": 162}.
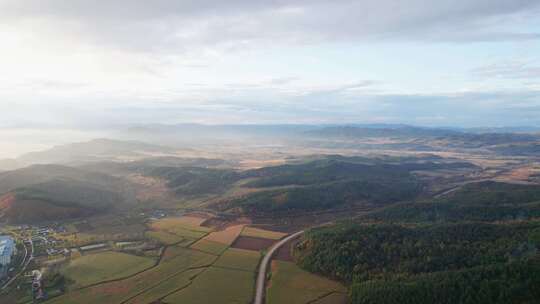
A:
{"x": 192, "y": 259}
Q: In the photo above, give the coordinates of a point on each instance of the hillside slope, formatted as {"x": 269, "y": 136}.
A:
{"x": 52, "y": 192}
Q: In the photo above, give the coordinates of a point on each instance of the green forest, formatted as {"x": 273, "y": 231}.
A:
{"x": 479, "y": 244}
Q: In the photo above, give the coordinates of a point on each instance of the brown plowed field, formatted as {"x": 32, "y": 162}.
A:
{"x": 252, "y": 243}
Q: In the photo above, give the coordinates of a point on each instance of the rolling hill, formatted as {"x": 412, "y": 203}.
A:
{"x": 478, "y": 244}
{"x": 483, "y": 201}
{"x": 53, "y": 192}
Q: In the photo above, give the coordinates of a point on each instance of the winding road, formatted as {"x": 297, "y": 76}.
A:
{"x": 263, "y": 268}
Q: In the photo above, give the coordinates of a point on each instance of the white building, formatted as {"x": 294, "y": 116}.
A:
{"x": 7, "y": 250}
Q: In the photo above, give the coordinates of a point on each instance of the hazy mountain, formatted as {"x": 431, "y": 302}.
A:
{"x": 419, "y": 138}
{"x": 91, "y": 151}
{"x": 380, "y": 131}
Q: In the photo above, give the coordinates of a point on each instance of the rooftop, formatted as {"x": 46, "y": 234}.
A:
{"x": 6, "y": 245}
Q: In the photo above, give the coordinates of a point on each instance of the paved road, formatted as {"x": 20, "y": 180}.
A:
{"x": 263, "y": 268}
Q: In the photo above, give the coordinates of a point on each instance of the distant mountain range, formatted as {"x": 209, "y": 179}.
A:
{"x": 92, "y": 151}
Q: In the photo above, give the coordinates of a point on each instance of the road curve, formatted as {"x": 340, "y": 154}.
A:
{"x": 263, "y": 268}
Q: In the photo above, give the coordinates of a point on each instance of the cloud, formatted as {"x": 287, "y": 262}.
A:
{"x": 472, "y": 109}
{"x": 514, "y": 69}
{"x": 128, "y": 61}
{"x": 180, "y": 26}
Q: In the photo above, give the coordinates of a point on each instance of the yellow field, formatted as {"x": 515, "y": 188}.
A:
{"x": 241, "y": 259}
{"x": 217, "y": 285}
{"x": 164, "y": 237}
{"x": 173, "y": 284}
{"x": 211, "y": 247}
{"x": 260, "y": 233}
{"x": 178, "y": 261}
{"x": 226, "y": 236}
{"x": 103, "y": 266}
{"x": 292, "y": 285}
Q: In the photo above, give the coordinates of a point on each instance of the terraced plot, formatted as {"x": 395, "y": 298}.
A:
{"x": 103, "y": 266}
{"x": 292, "y": 285}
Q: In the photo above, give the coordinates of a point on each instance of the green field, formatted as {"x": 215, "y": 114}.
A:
{"x": 110, "y": 265}
{"x": 179, "y": 260}
{"x": 292, "y": 285}
{"x": 187, "y": 233}
{"x": 217, "y": 285}
{"x": 239, "y": 259}
{"x": 261, "y": 233}
{"x": 209, "y": 247}
{"x": 168, "y": 287}
{"x": 165, "y": 238}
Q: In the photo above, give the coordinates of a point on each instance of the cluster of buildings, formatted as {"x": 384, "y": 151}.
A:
{"x": 7, "y": 250}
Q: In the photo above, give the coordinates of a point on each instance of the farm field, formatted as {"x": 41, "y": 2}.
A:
{"x": 173, "y": 284}
{"x": 252, "y": 243}
{"x": 217, "y": 285}
{"x": 210, "y": 247}
{"x": 177, "y": 261}
{"x": 186, "y": 227}
{"x": 261, "y": 233}
{"x": 164, "y": 237}
{"x": 109, "y": 265}
{"x": 226, "y": 236}
{"x": 290, "y": 284}
{"x": 239, "y": 259}
{"x": 182, "y": 275}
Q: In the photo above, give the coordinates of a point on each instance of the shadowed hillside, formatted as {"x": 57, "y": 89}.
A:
{"x": 52, "y": 192}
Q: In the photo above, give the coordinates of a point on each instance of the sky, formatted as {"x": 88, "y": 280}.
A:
{"x": 79, "y": 63}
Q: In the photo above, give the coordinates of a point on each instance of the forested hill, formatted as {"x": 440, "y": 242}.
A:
{"x": 479, "y": 244}
{"x": 334, "y": 182}
{"x": 53, "y": 192}
{"x": 431, "y": 260}
{"x": 484, "y": 201}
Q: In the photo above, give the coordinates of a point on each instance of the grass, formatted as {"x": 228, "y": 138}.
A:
{"x": 178, "y": 261}
{"x": 261, "y": 233}
{"x": 170, "y": 286}
{"x": 333, "y": 298}
{"x": 109, "y": 265}
{"x": 247, "y": 260}
{"x": 184, "y": 222}
{"x": 214, "y": 248}
{"x": 217, "y": 285}
{"x": 164, "y": 237}
{"x": 172, "y": 230}
{"x": 290, "y": 284}
{"x": 226, "y": 236}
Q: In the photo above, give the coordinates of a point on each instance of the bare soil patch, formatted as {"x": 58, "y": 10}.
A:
{"x": 285, "y": 252}
{"x": 252, "y": 243}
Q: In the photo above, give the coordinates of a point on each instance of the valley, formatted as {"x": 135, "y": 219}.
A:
{"x": 358, "y": 225}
